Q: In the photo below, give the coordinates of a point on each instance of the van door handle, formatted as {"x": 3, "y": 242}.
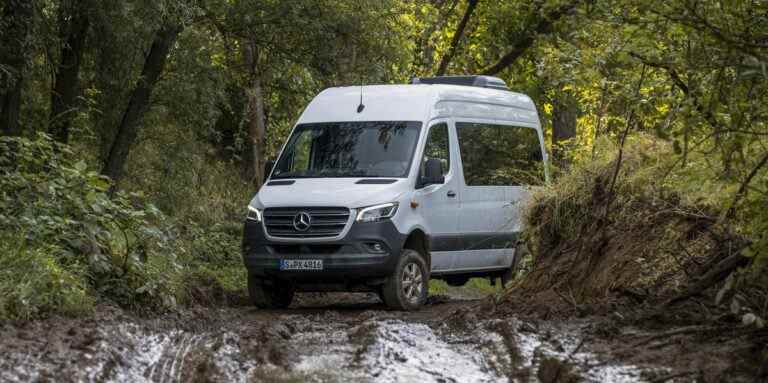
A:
{"x": 451, "y": 194}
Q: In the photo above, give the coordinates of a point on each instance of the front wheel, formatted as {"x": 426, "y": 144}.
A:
{"x": 277, "y": 295}
{"x": 407, "y": 287}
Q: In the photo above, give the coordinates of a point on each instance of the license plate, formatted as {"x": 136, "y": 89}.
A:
{"x": 301, "y": 264}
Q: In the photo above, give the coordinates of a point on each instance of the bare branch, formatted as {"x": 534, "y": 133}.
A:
{"x": 448, "y": 56}
{"x": 743, "y": 189}
{"x": 526, "y": 40}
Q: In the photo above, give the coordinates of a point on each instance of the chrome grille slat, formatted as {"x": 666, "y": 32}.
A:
{"x": 325, "y": 221}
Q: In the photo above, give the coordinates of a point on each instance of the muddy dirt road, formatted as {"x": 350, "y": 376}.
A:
{"x": 325, "y": 338}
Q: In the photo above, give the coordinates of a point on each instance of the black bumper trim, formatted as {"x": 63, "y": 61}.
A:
{"x": 348, "y": 260}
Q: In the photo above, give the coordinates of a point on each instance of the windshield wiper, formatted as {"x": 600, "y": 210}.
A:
{"x": 329, "y": 174}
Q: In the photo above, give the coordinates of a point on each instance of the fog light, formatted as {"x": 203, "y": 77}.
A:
{"x": 376, "y": 247}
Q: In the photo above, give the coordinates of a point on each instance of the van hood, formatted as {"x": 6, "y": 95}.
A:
{"x": 328, "y": 192}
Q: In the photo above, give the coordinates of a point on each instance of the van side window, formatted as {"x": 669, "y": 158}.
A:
{"x": 500, "y": 155}
{"x": 437, "y": 147}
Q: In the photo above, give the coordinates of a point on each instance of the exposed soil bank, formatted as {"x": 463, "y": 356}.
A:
{"x": 334, "y": 337}
{"x": 658, "y": 273}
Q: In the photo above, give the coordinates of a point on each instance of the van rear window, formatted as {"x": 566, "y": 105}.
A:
{"x": 500, "y": 155}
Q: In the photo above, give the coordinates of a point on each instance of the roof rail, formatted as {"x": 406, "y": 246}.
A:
{"x": 478, "y": 81}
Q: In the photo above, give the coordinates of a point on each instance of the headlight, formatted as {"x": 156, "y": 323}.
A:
{"x": 377, "y": 212}
{"x": 254, "y": 214}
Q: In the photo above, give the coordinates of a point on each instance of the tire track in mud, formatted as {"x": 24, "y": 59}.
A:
{"x": 389, "y": 350}
{"x": 129, "y": 353}
{"x": 336, "y": 344}
{"x": 414, "y": 352}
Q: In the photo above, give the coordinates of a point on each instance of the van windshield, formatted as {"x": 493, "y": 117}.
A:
{"x": 349, "y": 149}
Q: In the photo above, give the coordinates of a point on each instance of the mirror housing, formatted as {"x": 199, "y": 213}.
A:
{"x": 433, "y": 173}
{"x": 268, "y": 169}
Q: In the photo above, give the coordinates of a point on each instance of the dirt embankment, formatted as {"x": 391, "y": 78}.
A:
{"x": 660, "y": 279}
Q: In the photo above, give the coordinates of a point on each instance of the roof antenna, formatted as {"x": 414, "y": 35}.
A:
{"x": 361, "y": 106}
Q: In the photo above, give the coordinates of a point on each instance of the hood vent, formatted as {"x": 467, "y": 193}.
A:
{"x": 281, "y": 183}
{"x": 375, "y": 181}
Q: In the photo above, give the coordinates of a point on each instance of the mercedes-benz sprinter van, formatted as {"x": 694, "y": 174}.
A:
{"x": 380, "y": 188}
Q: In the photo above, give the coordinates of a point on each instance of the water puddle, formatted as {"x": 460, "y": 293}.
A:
{"x": 392, "y": 351}
{"x": 320, "y": 348}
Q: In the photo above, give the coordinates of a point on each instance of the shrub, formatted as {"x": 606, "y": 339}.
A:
{"x": 33, "y": 283}
{"x": 62, "y": 217}
{"x": 212, "y": 264}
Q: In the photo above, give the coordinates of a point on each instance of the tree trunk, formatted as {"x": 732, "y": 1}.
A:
{"x": 139, "y": 102}
{"x": 255, "y": 115}
{"x": 446, "y": 60}
{"x": 565, "y": 112}
{"x": 73, "y": 29}
{"x": 17, "y": 18}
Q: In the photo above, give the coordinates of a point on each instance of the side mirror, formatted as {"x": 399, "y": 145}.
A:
{"x": 268, "y": 169}
{"x": 433, "y": 173}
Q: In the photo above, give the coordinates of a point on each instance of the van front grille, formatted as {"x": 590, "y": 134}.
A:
{"x": 323, "y": 221}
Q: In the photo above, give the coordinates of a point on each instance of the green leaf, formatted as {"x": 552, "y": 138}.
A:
{"x": 81, "y": 166}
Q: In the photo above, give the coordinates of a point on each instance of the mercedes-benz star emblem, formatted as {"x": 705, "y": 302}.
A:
{"x": 302, "y": 221}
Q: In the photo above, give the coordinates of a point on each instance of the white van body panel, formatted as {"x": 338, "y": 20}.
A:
{"x": 382, "y": 103}
{"x": 476, "y": 209}
{"x": 440, "y": 213}
{"x": 333, "y": 192}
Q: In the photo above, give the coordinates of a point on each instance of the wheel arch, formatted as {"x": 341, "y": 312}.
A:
{"x": 418, "y": 240}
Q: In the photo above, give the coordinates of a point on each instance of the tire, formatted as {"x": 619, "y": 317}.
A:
{"x": 407, "y": 288}
{"x": 279, "y": 295}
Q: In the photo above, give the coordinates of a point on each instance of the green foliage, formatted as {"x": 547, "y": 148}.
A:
{"x": 34, "y": 283}
{"x": 205, "y": 198}
{"x": 213, "y": 266}
{"x": 67, "y": 243}
{"x": 757, "y": 230}
{"x": 52, "y": 204}
{"x": 187, "y": 179}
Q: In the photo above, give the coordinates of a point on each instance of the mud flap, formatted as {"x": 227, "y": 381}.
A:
{"x": 508, "y": 275}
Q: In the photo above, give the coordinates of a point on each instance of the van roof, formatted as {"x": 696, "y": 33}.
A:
{"x": 418, "y": 102}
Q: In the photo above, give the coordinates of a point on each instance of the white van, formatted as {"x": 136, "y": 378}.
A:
{"x": 380, "y": 188}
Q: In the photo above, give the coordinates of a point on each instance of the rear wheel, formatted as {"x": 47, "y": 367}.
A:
{"x": 277, "y": 295}
{"x": 406, "y": 288}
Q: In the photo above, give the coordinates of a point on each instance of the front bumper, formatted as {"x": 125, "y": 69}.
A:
{"x": 351, "y": 260}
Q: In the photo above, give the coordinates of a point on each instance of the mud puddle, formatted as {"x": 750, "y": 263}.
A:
{"x": 319, "y": 342}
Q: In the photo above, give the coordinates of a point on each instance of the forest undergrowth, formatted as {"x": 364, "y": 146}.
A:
{"x": 67, "y": 242}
